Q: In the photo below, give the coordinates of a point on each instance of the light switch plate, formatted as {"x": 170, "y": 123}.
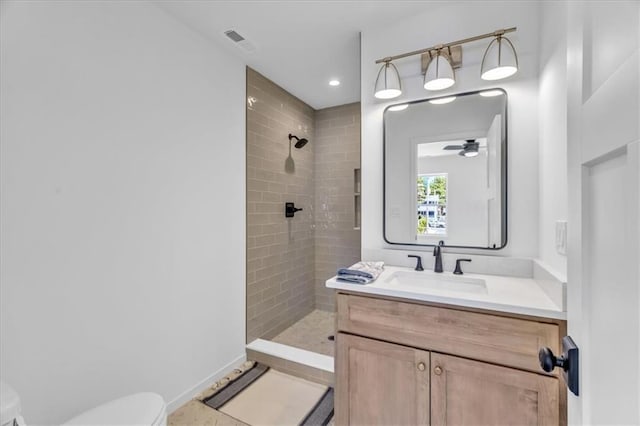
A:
{"x": 561, "y": 237}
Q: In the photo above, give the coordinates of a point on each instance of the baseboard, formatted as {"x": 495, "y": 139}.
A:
{"x": 188, "y": 394}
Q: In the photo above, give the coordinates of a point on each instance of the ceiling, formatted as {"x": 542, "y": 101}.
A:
{"x": 299, "y": 45}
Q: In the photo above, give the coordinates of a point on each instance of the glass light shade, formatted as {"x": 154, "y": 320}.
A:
{"x": 388, "y": 83}
{"x": 439, "y": 74}
{"x": 500, "y": 60}
{"x": 471, "y": 153}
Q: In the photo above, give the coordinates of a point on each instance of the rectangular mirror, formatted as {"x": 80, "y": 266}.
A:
{"x": 445, "y": 171}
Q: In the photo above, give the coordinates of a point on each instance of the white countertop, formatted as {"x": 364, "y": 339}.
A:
{"x": 503, "y": 294}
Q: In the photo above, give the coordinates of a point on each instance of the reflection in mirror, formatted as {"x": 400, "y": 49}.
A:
{"x": 445, "y": 172}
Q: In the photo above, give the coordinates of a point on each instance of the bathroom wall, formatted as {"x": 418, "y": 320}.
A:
{"x": 552, "y": 109}
{"x": 337, "y": 155}
{"x": 280, "y": 250}
{"x": 448, "y": 22}
{"x": 122, "y": 206}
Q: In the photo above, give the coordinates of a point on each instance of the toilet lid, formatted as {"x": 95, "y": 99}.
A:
{"x": 139, "y": 409}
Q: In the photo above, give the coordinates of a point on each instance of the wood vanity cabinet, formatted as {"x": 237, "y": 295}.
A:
{"x": 402, "y": 363}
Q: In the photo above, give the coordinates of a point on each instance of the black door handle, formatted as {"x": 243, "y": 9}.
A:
{"x": 568, "y": 362}
{"x": 548, "y": 360}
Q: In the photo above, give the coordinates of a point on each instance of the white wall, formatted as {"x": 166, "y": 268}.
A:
{"x": 441, "y": 24}
{"x": 552, "y": 110}
{"x": 122, "y": 205}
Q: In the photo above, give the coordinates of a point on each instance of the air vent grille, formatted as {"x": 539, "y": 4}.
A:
{"x": 234, "y": 35}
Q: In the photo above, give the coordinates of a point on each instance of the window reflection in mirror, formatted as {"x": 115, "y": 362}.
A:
{"x": 445, "y": 172}
{"x": 432, "y": 204}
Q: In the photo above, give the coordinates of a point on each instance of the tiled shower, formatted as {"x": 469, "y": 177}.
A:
{"x": 289, "y": 259}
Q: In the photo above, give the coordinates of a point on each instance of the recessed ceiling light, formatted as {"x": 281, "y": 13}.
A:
{"x": 334, "y": 83}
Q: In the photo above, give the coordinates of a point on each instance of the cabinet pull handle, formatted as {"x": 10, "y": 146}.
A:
{"x": 437, "y": 370}
{"x": 421, "y": 366}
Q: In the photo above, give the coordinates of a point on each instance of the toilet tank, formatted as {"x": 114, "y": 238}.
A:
{"x": 9, "y": 405}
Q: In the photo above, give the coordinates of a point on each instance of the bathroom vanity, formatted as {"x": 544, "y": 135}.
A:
{"x": 434, "y": 356}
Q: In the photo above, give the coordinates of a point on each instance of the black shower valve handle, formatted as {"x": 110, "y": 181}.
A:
{"x": 290, "y": 209}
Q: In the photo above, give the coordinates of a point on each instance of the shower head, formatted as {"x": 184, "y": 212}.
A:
{"x": 299, "y": 142}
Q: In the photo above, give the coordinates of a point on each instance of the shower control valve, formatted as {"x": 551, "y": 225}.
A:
{"x": 290, "y": 209}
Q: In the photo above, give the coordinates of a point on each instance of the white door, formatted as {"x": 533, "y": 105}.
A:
{"x": 603, "y": 300}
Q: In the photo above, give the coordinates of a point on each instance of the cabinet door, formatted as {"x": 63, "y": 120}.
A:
{"x": 465, "y": 392}
{"x": 380, "y": 383}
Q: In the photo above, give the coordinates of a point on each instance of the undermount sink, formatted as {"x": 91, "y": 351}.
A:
{"x": 426, "y": 281}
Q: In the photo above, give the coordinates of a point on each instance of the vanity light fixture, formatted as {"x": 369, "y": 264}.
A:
{"x": 438, "y": 63}
{"x": 334, "y": 82}
{"x": 439, "y": 73}
{"x": 388, "y": 84}
{"x": 499, "y": 62}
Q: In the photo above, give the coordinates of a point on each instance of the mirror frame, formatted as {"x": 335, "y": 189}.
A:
{"x": 503, "y": 177}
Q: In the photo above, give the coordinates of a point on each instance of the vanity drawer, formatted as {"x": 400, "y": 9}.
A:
{"x": 506, "y": 341}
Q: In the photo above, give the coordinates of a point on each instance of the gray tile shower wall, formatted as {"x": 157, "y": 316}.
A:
{"x": 280, "y": 251}
{"x": 337, "y": 155}
{"x": 289, "y": 259}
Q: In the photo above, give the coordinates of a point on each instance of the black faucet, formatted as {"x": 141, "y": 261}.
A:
{"x": 419, "y": 263}
{"x": 437, "y": 252}
{"x": 458, "y": 270}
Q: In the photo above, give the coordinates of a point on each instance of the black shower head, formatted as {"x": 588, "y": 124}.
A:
{"x": 299, "y": 142}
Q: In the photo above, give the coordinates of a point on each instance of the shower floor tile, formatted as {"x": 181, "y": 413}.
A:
{"x": 311, "y": 333}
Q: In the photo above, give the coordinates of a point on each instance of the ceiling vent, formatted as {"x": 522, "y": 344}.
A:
{"x": 240, "y": 41}
{"x": 233, "y": 35}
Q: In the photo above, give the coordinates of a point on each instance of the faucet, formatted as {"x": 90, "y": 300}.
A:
{"x": 437, "y": 252}
{"x": 458, "y": 270}
{"x": 419, "y": 263}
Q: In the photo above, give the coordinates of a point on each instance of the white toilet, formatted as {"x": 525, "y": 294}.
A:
{"x": 144, "y": 409}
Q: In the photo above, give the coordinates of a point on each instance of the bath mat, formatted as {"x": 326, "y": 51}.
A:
{"x": 236, "y": 386}
{"x": 276, "y": 398}
{"x": 322, "y": 413}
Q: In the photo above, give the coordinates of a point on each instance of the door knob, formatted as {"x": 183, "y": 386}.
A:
{"x": 568, "y": 362}
{"x": 548, "y": 360}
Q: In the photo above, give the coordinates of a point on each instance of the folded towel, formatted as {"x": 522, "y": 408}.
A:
{"x": 361, "y": 272}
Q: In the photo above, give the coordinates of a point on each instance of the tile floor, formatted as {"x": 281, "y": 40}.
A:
{"x": 311, "y": 333}
{"x": 197, "y": 413}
